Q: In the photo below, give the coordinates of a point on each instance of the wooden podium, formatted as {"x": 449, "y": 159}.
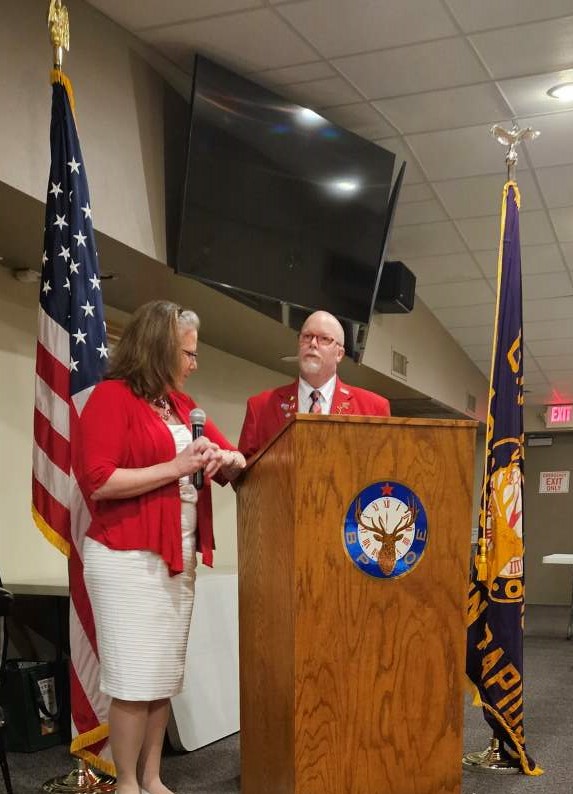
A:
{"x": 349, "y": 683}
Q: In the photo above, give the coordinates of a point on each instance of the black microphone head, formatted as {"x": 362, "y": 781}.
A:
{"x": 197, "y": 416}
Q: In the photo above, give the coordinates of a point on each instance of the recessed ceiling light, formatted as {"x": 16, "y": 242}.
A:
{"x": 563, "y": 92}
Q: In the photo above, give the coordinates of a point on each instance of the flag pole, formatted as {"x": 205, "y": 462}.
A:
{"x": 82, "y": 779}
{"x": 494, "y": 759}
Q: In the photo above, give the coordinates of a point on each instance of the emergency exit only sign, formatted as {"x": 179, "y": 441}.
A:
{"x": 554, "y": 482}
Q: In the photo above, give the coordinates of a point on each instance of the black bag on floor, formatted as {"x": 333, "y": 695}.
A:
{"x": 35, "y": 697}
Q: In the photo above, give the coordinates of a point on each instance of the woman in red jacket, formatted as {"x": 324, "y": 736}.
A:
{"x": 137, "y": 461}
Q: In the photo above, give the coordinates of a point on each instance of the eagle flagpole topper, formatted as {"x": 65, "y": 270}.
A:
{"x": 59, "y": 27}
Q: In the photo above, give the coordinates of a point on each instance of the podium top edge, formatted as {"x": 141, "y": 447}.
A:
{"x": 386, "y": 420}
{"x": 364, "y": 420}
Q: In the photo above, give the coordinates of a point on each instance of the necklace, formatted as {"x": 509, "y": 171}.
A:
{"x": 164, "y": 406}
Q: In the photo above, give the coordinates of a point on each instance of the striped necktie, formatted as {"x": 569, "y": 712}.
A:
{"x": 315, "y": 402}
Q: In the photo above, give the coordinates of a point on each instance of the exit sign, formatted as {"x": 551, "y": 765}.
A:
{"x": 559, "y": 416}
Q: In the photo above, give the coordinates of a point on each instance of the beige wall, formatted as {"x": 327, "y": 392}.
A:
{"x": 221, "y": 386}
{"x": 119, "y": 114}
{"x": 548, "y": 524}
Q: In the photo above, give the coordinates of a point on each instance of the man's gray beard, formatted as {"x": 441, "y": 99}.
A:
{"x": 311, "y": 365}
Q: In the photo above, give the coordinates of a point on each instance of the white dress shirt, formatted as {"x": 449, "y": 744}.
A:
{"x": 326, "y": 393}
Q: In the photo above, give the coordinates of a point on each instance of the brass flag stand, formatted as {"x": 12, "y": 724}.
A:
{"x": 82, "y": 779}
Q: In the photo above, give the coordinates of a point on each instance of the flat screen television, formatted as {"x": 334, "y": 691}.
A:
{"x": 279, "y": 203}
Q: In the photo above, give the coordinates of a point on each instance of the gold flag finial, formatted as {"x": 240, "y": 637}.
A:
{"x": 59, "y": 27}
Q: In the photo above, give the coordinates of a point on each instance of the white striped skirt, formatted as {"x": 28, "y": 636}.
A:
{"x": 142, "y": 616}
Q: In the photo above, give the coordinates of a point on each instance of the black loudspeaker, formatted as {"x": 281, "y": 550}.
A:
{"x": 396, "y": 290}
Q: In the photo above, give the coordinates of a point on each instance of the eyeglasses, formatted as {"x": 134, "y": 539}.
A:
{"x": 321, "y": 339}
{"x": 191, "y": 354}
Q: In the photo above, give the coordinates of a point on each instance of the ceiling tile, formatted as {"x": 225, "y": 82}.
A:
{"x": 480, "y": 233}
{"x": 477, "y": 196}
{"x": 547, "y": 309}
{"x": 419, "y": 212}
{"x": 528, "y": 95}
{"x": 475, "y": 334}
{"x": 563, "y": 221}
{"x": 413, "y": 173}
{"x": 443, "y": 110}
{"x": 534, "y": 259}
{"x": 467, "y": 316}
{"x": 443, "y": 268}
{"x": 548, "y": 347}
{"x": 550, "y": 329}
{"x": 481, "y": 352}
{"x": 362, "y": 119}
{"x": 523, "y": 50}
{"x": 493, "y": 14}
{"x": 556, "y": 185}
{"x": 146, "y": 13}
{"x": 567, "y": 249}
{"x": 293, "y": 74}
{"x": 322, "y": 93}
{"x": 561, "y": 389}
{"x": 344, "y": 27}
{"x": 553, "y": 147}
{"x": 458, "y": 153}
{"x": 420, "y": 192}
{"x": 461, "y": 293}
{"x": 530, "y": 365}
{"x": 424, "y": 240}
{"x": 549, "y": 285}
{"x": 408, "y": 70}
{"x": 549, "y": 364}
{"x": 271, "y": 43}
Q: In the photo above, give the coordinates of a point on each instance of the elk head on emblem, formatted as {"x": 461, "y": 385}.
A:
{"x": 386, "y": 557}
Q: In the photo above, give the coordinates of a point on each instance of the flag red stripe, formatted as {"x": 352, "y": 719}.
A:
{"x": 53, "y": 512}
{"x": 53, "y": 372}
{"x": 85, "y": 718}
{"x": 80, "y": 597}
{"x": 56, "y": 447}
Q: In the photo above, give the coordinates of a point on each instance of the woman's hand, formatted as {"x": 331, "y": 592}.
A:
{"x": 200, "y": 454}
{"x": 233, "y": 464}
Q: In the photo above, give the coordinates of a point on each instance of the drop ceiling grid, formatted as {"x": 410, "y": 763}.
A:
{"x": 425, "y": 78}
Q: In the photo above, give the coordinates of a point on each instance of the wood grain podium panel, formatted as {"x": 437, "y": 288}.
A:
{"x": 355, "y": 685}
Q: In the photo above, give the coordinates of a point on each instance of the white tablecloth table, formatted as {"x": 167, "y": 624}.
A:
{"x": 563, "y": 559}
{"x": 208, "y": 708}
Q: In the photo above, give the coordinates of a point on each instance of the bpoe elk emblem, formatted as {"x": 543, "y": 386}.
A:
{"x": 386, "y": 530}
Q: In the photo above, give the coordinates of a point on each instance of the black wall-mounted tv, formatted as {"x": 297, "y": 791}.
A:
{"x": 278, "y": 202}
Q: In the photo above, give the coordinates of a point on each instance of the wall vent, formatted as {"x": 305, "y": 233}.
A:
{"x": 399, "y": 365}
{"x": 471, "y": 403}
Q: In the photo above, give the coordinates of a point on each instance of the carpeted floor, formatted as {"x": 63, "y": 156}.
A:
{"x": 548, "y": 728}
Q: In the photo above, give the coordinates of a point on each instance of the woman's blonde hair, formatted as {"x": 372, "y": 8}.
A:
{"x": 148, "y": 353}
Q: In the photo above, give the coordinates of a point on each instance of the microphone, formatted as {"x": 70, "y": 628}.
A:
{"x": 197, "y": 419}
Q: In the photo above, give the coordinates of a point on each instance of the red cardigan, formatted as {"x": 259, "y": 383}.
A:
{"x": 119, "y": 430}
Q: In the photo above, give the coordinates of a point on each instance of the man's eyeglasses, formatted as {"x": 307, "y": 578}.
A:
{"x": 321, "y": 339}
{"x": 191, "y": 354}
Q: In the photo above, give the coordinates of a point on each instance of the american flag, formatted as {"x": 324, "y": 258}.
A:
{"x": 70, "y": 359}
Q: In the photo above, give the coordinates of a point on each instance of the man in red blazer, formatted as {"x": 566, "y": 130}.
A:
{"x": 317, "y": 389}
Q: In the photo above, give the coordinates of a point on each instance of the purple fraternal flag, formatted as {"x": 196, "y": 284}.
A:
{"x": 70, "y": 359}
{"x": 496, "y": 595}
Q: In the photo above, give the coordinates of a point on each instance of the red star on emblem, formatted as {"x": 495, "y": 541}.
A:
{"x": 387, "y": 490}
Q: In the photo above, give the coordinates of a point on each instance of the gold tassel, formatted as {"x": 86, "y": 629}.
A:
{"x": 57, "y": 76}
{"x": 481, "y": 561}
